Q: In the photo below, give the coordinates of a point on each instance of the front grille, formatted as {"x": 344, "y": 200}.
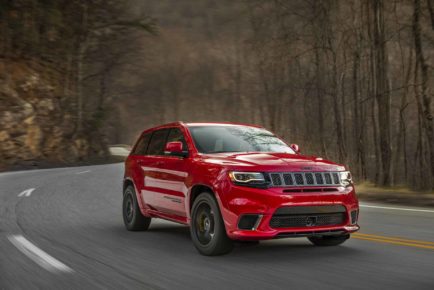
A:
{"x": 308, "y": 216}
{"x": 305, "y": 178}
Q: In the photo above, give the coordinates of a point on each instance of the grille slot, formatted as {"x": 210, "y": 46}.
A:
{"x": 319, "y": 179}
{"x": 293, "y": 190}
{"x": 275, "y": 178}
{"x": 331, "y": 189}
{"x": 288, "y": 179}
{"x": 327, "y": 189}
{"x": 305, "y": 179}
{"x": 335, "y": 178}
{"x": 328, "y": 178}
{"x": 309, "y": 178}
{"x": 299, "y": 178}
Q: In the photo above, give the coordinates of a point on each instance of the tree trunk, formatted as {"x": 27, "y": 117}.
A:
{"x": 320, "y": 102}
{"x": 400, "y": 139}
{"x": 427, "y": 117}
{"x": 340, "y": 142}
{"x": 382, "y": 92}
{"x": 431, "y": 11}
{"x": 81, "y": 51}
{"x": 356, "y": 118}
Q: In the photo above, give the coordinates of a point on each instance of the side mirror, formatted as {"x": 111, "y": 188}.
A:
{"x": 175, "y": 149}
{"x": 295, "y": 147}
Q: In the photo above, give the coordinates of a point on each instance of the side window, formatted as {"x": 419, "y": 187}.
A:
{"x": 142, "y": 145}
{"x": 176, "y": 134}
{"x": 158, "y": 141}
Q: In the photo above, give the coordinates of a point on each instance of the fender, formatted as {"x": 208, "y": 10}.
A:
{"x": 142, "y": 205}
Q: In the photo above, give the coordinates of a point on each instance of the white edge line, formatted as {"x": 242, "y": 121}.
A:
{"x": 26, "y": 192}
{"x": 37, "y": 255}
{"x": 81, "y": 172}
{"x": 397, "y": 208}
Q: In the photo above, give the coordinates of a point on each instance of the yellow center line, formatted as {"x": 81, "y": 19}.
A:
{"x": 392, "y": 239}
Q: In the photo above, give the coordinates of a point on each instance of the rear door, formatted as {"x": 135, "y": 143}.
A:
{"x": 137, "y": 160}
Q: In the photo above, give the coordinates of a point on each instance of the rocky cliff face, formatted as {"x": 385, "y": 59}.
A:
{"x": 36, "y": 125}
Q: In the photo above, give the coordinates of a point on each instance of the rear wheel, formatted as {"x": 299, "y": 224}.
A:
{"x": 207, "y": 227}
{"x": 133, "y": 218}
{"x": 329, "y": 240}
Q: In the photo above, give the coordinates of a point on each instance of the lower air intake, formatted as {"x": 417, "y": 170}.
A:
{"x": 308, "y": 216}
{"x": 300, "y": 221}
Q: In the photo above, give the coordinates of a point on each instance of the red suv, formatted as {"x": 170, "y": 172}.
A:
{"x": 235, "y": 182}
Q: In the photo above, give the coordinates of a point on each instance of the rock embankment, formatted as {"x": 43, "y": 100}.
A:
{"x": 37, "y": 118}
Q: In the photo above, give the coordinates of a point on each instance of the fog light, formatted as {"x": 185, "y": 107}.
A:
{"x": 249, "y": 221}
{"x": 354, "y": 215}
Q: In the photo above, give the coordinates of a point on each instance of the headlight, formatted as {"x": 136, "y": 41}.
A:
{"x": 346, "y": 178}
{"x": 247, "y": 177}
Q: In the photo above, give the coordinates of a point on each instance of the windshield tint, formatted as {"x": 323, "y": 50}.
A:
{"x": 218, "y": 139}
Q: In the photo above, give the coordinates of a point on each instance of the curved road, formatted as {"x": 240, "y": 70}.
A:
{"x": 62, "y": 229}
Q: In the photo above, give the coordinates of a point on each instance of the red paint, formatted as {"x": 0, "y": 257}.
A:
{"x": 173, "y": 147}
{"x": 164, "y": 184}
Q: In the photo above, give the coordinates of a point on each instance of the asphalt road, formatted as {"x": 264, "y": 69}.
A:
{"x": 67, "y": 233}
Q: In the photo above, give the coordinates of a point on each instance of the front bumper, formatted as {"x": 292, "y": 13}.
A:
{"x": 240, "y": 200}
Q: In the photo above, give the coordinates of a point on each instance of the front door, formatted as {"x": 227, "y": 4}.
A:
{"x": 173, "y": 176}
{"x": 165, "y": 175}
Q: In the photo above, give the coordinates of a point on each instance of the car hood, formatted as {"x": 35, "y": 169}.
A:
{"x": 273, "y": 162}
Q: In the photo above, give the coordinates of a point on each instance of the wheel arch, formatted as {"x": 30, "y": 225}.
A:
{"x": 127, "y": 182}
{"x": 195, "y": 191}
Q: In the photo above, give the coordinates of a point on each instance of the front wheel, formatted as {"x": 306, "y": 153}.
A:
{"x": 207, "y": 227}
{"x": 329, "y": 240}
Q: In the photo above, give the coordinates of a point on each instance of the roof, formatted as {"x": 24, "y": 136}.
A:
{"x": 180, "y": 123}
{"x": 220, "y": 124}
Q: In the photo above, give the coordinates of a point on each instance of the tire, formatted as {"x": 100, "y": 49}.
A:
{"x": 134, "y": 220}
{"x": 207, "y": 227}
{"x": 325, "y": 241}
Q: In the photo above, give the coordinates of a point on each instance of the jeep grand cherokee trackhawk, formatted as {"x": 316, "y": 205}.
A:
{"x": 235, "y": 182}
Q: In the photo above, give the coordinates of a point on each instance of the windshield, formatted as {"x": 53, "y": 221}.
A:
{"x": 219, "y": 139}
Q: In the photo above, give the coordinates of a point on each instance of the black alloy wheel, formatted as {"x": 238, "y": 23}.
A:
{"x": 207, "y": 227}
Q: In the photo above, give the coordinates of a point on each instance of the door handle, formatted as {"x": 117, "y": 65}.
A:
{"x": 158, "y": 163}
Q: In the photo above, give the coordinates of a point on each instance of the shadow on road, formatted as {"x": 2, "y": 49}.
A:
{"x": 175, "y": 239}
